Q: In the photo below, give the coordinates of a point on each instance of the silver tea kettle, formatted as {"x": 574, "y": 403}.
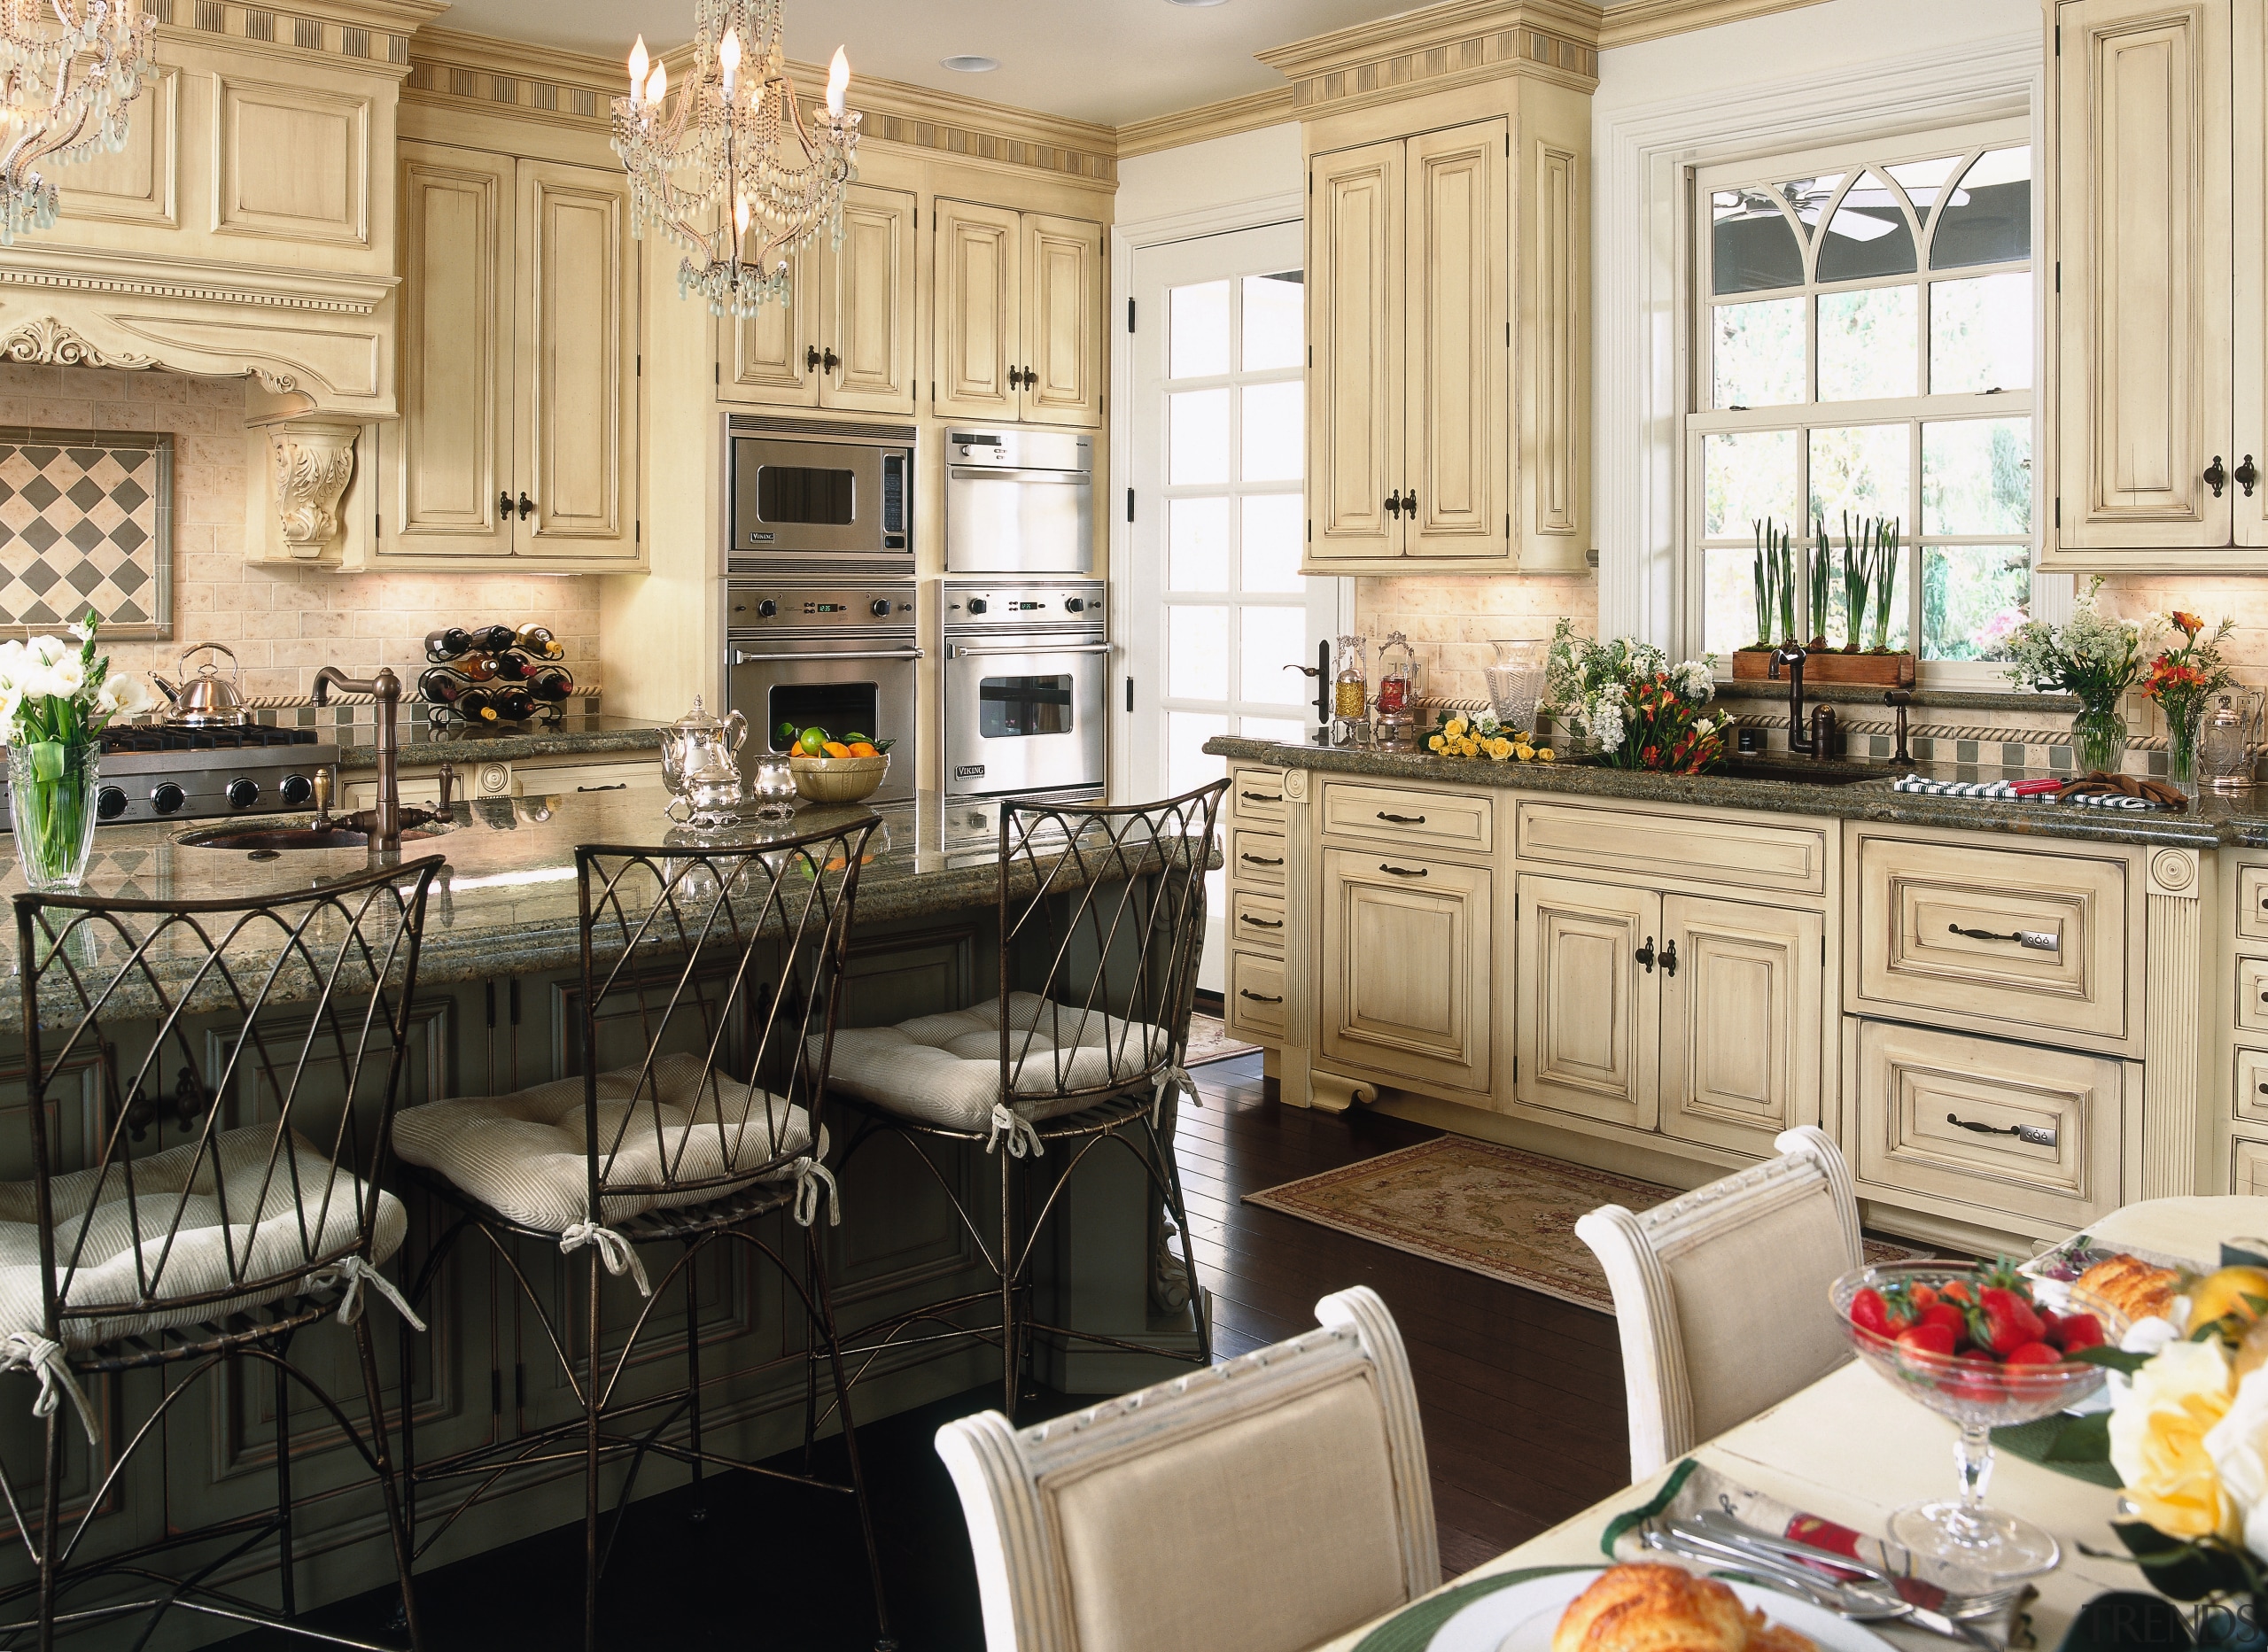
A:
{"x": 701, "y": 766}
{"x": 207, "y": 700}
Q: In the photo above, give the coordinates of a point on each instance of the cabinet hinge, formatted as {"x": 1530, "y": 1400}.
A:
{"x": 1130, "y": 504}
{"x": 1310, "y": 530}
{"x": 2059, "y": 511}
{"x": 2059, "y": 40}
{"x": 717, "y": 371}
{"x": 638, "y": 533}
{"x": 1507, "y": 146}
{"x": 1129, "y": 315}
{"x": 1508, "y": 334}
{"x": 1508, "y": 524}
{"x": 2059, "y": 274}
{"x": 1822, "y": 951}
{"x": 1129, "y": 694}
{"x": 640, "y": 360}
{"x": 378, "y": 525}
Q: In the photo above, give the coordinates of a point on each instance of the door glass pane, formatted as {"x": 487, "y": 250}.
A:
{"x": 1750, "y": 476}
{"x": 1187, "y": 765}
{"x": 1199, "y": 330}
{"x": 1977, "y": 476}
{"x": 1274, "y": 429}
{"x": 1273, "y": 638}
{"x": 1019, "y": 708}
{"x": 1867, "y": 344}
{"x": 1866, "y": 469}
{"x": 1753, "y": 247}
{"x": 1196, "y": 652}
{"x": 1923, "y": 181}
{"x": 1272, "y": 525}
{"x": 1980, "y": 334}
{"x": 1275, "y": 323}
{"x": 1197, "y": 545}
{"x": 1197, "y": 437}
{"x": 1759, "y": 353}
{"x": 1868, "y": 235}
{"x": 1730, "y": 610}
{"x": 1292, "y": 733}
{"x": 1987, "y": 220}
{"x": 1972, "y": 599}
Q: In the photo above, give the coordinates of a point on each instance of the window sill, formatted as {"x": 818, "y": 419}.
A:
{"x": 1943, "y": 699}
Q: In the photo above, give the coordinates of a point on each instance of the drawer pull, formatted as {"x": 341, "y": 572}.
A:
{"x": 1257, "y": 997}
{"x": 1260, "y": 860}
{"x": 1404, "y": 871}
{"x": 1277, "y": 923}
{"x": 2035, "y": 1135}
{"x": 2036, "y": 940}
{"x": 1259, "y": 797}
{"x": 619, "y": 786}
{"x": 1402, "y": 819}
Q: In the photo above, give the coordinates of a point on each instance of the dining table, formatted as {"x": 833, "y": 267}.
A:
{"x": 1852, "y": 1449}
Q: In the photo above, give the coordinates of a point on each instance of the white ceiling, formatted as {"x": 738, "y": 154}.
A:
{"x": 1108, "y": 61}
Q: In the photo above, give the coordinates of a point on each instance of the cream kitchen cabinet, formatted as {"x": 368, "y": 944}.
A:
{"x": 842, "y": 338}
{"x": 1017, "y": 332}
{"x": 1406, "y": 945}
{"x": 518, "y": 438}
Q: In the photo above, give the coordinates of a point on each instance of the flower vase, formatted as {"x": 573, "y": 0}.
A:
{"x": 2181, "y": 743}
{"x": 52, "y": 806}
{"x": 2099, "y": 736}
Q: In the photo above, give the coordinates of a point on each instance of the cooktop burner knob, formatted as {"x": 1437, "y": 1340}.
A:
{"x": 242, "y": 794}
{"x": 879, "y": 608}
{"x": 977, "y": 605}
{"x": 768, "y": 609}
{"x": 169, "y": 798}
{"x": 110, "y": 802}
{"x": 297, "y": 789}
{"x": 1074, "y": 605}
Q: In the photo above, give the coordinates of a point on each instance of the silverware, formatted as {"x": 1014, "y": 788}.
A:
{"x": 1725, "y": 1528}
{"x": 1872, "y": 1604}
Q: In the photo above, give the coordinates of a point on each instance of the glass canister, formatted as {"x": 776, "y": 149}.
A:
{"x": 1515, "y": 681}
{"x": 1350, "y": 693}
{"x": 1397, "y": 694}
{"x": 2226, "y": 741}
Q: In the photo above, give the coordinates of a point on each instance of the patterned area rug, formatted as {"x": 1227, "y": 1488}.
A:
{"x": 1209, "y": 1041}
{"x": 1496, "y": 1210}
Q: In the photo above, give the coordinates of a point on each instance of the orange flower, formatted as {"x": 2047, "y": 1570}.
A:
{"x": 2188, "y": 624}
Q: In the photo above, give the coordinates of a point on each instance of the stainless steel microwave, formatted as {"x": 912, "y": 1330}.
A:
{"x": 811, "y": 498}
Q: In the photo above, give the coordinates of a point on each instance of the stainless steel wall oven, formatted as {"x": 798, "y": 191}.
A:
{"x": 803, "y": 497}
{"x": 827, "y": 653}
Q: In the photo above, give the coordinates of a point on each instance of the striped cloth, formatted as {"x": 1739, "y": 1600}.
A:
{"x": 2006, "y": 791}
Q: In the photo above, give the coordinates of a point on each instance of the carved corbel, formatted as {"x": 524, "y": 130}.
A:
{"x": 311, "y": 462}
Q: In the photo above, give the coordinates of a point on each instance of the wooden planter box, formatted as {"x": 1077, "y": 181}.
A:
{"x": 1830, "y": 666}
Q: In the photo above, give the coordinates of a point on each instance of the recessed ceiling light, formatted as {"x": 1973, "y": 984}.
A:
{"x": 970, "y": 65}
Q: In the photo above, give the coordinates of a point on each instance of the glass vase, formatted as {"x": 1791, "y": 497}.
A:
{"x": 52, "y": 806}
{"x": 2181, "y": 728}
{"x": 2099, "y": 736}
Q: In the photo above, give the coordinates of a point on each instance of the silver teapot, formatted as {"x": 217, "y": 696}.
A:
{"x": 701, "y": 766}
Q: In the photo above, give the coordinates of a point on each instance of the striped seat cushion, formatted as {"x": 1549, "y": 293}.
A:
{"x": 278, "y": 1216}
{"x": 523, "y": 1155}
{"x": 946, "y": 1069}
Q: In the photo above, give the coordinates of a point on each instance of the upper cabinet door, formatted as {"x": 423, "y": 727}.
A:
{"x": 577, "y": 327}
{"x": 1589, "y": 1010}
{"x": 1355, "y": 329}
{"x": 868, "y": 323}
{"x": 2145, "y": 211}
{"x": 451, "y": 458}
{"x": 772, "y": 357}
{"x": 1740, "y": 1009}
{"x": 1062, "y": 349}
{"x": 2250, "y": 435}
{"x": 1457, "y": 359}
{"x": 978, "y": 336}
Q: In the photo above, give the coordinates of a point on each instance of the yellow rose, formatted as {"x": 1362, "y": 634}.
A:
{"x": 2157, "y": 1441}
{"x": 1468, "y": 747}
{"x": 1525, "y": 752}
{"x": 1454, "y": 728}
{"x": 1544, "y": 753}
{"x": 1500, "y": 748}
{"x": 1436, "y": 744}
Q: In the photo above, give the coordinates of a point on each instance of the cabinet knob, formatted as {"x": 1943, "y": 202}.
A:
{"x": 2246, "y": 474}
{"x": 527, "y": 507}
{"x": 504, "y": 506}
{"x": 1645, "y": 955}
{"x": 1410, "y": 503}
{"x": 2216, "y": 475}
{"x": 1669, "y": 957}
{"x": 1393, "y": 505}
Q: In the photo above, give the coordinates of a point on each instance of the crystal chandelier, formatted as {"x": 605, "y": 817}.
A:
{"x": 730, "y": 171}
{"x": 68, "y": 70}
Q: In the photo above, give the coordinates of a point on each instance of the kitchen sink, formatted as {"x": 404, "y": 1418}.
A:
{"x": 1803, "y": 771}
{"x": 274, "y": 838}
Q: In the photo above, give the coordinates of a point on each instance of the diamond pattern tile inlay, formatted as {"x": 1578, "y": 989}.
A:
{"x": 86, "y": 522}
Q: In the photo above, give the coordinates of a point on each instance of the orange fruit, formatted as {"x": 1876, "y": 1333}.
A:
{"x": 836, "y": 749}
{"x": 860, "y": 748}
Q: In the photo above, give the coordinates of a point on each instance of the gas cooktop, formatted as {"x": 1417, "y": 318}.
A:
{"x": 166, "y": 737}
{"x": 161, "y": 771}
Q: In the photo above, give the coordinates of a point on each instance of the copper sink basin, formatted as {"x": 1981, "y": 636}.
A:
{"x": 274, "y": 838}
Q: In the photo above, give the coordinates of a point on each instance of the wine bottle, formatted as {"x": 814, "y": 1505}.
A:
{"x": 512, "y": 702}
{"x": 492, "y": 638}
{"x": 445, "y": 645}
{"x": 538, "y": 641}
{"x": 512, "y": 666}
{"x": 551, "y": 683}
{"x": 451, "y": 689}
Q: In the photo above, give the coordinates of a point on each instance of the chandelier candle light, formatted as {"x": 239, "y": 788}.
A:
{"x": 730, "y": 171}
{"x": 68, "y": 70}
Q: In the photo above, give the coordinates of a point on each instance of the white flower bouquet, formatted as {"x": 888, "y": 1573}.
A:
{"x": 56, "y": 698}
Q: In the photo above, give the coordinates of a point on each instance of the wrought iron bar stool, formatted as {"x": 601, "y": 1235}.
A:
{"x": 272, "y": 1032}
{"x": 719, "y": 969}
{"x": 1101, "y": 930}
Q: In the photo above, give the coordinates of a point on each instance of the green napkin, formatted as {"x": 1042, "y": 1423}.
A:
{"x": 1413, "y": 1628}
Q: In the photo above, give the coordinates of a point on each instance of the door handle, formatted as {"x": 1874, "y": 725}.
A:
{"x": 527, "y": 506}
{"x": 2246, "y": 474}
{"x": 2034, "y": 940}
{"x": 1645, "y": 955}
{"x": 2032, "y": 1134}
{"x": 1669, "y": 957}
{"x": 2216, "y": 475}
{"x": 739, "y": 658}
{"x": 1402, "y": 872}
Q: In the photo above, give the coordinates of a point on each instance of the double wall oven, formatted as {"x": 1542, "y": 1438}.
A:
{"x": 1024, "y": 698}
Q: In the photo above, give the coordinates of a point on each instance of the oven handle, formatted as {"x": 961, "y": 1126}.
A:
{"x": 740, "y": 658}
{"x": 1059, "y": 478}
{"x": 962, "y": 651}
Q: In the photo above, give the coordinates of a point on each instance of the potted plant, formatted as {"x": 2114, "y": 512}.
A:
{"x": 1795, "y": 599}
{"x": 2183, "y": 680}
{"x": 56, "y": 698}
{"x": 2093, "y": 657}
{"x": 1635, "y": 707}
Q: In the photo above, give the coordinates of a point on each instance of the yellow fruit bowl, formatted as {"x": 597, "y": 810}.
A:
{"x": 838, "y": 779}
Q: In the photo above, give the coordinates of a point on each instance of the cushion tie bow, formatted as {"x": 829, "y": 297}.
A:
{"x": 28, "y": 1351}
{"x": 618, "y": 1254}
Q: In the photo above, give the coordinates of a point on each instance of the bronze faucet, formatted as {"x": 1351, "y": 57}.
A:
{"x": 1817, "y": 740}
{"x": 382, "y": 824}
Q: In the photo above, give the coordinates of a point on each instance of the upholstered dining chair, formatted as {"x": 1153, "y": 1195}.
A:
{"x": 210, "y": 1084}
{"x": 1102, "y": 926}
{"x": 1269, "y": 1503}
{"x": 710, "y": 981}
{"x": 1721, "y": 1295}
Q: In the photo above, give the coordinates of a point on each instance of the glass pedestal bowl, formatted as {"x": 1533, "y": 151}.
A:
{"x": 1960, "y": 1531}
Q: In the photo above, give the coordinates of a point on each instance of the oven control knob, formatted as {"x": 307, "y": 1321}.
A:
{"x": 879, "y": 608}
{"x": 242, "y": 794}
{"x": 169, "y": 798}
{"x": 1074, "y": 605}
{"x": 297, "y": 789}
{"x": 768, "y": 609}
{"x": 110, "y": 802}
{"x": 977, "y": 605}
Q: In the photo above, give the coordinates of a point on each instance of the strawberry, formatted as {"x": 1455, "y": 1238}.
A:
{"x": 2005, "y": 1321}
{"x": 1920, "y": 1296}
{"x": 2034, "y": 1354}
{"x": 1944, "y": 1312}
{"x": 1957, "y": 1291}
{"x": 2079, "y": 1330}
{"x": 1932, "y": 1341}
{"x": 1870, "y": 1313}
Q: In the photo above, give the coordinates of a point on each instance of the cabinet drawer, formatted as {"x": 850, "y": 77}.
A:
{"x": 2248, "y": 1096}
{"x": 1256, "y": 795}
{"x": 2252, "y": 994}
{"x": 1255, "y": 995}
{"x": 2252, "y": 902}
{"x": 1256, "y": 920}
{"x": 1255, "y": 857}
{"x": 2038, "y": 941}
{"x": 1748, "y": 851}
{"x": 2014, "y": 1130}
{"x": 1397, "y": 815}
{"x": 2249, "y": 1169}
{"x": 568, "y": 779}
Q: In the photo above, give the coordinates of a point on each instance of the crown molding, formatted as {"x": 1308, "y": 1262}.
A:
{"x": 1225, "y": 118}
{"x": 372, "y": 31}
{"x": 1627, "y": 22}
{"x": 1456, "y": 44}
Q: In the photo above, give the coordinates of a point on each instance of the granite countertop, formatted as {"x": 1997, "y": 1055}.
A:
{"x": 424, "y": 744}
{"x": 507, "y": 902}
{"x": 2240, "y": 820}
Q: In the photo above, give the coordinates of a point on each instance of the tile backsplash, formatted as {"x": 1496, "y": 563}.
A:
{"x": 1450, "y": 618}
{"x": 283, "y": 622}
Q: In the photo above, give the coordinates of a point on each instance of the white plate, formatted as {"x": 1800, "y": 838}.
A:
{"x": 1520, "y": 1617}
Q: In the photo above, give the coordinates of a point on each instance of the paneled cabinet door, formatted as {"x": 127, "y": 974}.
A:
{"x": 1062, "y": 321}
{"x": 452, "y": 455}
{"x": 977, "y": 335}
{"x": 1356, "y": 332}
{"x": 1741, "y": 1018}
{"x": 1406, "y": 966}
{"x": 578, "y": 330}
{"x": 1457, "y": 359}
{"x": 2250, "y": 438}
{"x": 868, "y": 323}
{"x": 1589, "y": 1011}
{"x": 769, "y": 356}
{"x": 2144, "y": 208}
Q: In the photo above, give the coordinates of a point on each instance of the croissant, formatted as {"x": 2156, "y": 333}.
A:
{"x": 2130, "y": 1285}
{"x": 1666, "y": 1609}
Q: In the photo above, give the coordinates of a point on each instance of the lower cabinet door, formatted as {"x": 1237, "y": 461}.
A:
{"x": 1406, "y": 966}
{"x": 1588, "y": 1009}
{"x": 1740, "y": 989}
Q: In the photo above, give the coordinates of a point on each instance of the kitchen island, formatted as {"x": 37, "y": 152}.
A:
{"x": 495, "y": 1009}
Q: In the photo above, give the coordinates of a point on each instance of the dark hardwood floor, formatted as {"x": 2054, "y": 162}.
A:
{"x": 1521, "y": 1394}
